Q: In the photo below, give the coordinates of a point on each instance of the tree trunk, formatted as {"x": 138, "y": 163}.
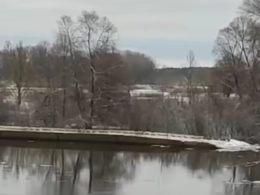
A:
{"x": 92, "y": 99}
{"x": 19, "y": 95}
{"x": 64, "y": 103}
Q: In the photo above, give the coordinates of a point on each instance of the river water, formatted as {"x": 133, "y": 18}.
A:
{"x": 32, "y": 168}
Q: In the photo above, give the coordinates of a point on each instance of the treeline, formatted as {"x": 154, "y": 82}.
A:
{"x": 170, "y": 76}
{"x": 81, "y": 79}
{"x": 82, "y": 69}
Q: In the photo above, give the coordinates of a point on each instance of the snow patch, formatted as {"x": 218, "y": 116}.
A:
{"x": 234, "y": 145}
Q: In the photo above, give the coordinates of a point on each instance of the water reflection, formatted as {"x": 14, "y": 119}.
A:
{"x": 46, "y": 171}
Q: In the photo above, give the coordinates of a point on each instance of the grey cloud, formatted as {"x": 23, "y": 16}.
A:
{"x": 127, "y": 6}
{"x": 182, "y": 20}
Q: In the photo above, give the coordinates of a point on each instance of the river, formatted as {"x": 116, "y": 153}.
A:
{"x": 30, "y": 168}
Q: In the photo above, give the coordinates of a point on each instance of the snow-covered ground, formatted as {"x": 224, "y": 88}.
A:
{"x": 231, "y": 145}
{"x": 177, "y": 93}
{"x": 234, "y": 145}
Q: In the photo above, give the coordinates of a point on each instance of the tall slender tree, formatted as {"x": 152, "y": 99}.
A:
{"x": 97, "y": 37}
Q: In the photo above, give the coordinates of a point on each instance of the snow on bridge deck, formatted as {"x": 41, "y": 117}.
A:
{"x": 121, "y": 137}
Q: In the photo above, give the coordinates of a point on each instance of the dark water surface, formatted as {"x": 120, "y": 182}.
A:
{"x": 69, "y": 169}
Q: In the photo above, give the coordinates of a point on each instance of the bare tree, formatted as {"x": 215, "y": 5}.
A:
{"x": 112, "y": 90}
{"x": 97, "y": 37}
{"x": 66, "y": 45}
{"x": 46, "y": 69}
{"x": 43, "y": 66}
{"x": 19, "y": 60}
{"x": 251, "y": 7}
{"x": 191, "y": 63}
{"x": 237, "y": 51}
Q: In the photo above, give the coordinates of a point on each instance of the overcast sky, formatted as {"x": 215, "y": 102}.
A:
{"x": 164, "y": 29}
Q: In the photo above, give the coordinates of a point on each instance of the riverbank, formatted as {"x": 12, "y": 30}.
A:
{"x": 154, "y": 139}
